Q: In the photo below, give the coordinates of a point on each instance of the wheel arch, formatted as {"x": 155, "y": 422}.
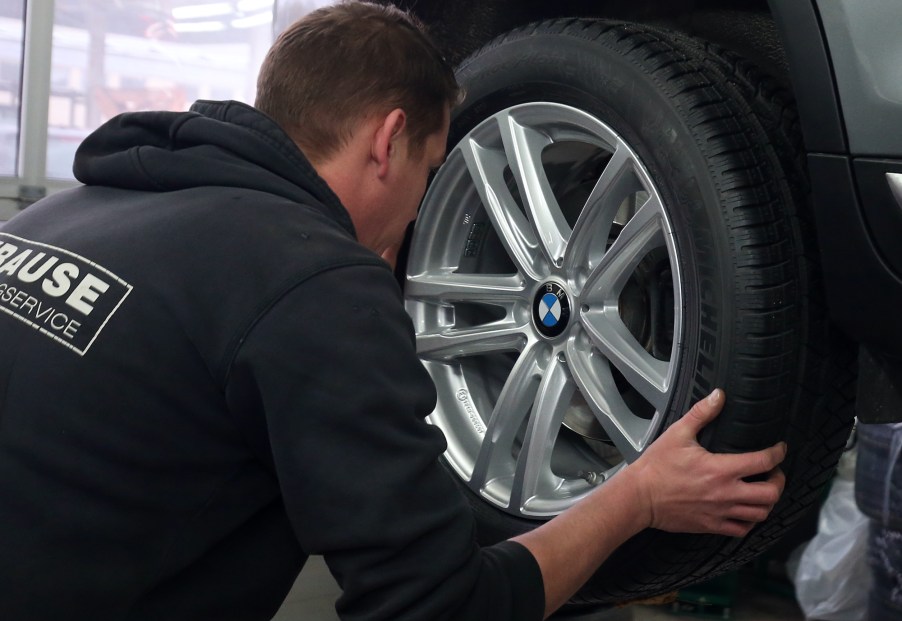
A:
{"x": 783, "y": 37}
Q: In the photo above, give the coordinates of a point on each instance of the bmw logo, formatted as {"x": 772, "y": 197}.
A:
{"x": 551, "y": 309}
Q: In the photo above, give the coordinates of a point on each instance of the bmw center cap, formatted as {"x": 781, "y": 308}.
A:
{"x": 551, "y": 309}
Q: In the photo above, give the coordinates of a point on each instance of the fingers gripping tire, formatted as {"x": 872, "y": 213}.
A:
{"x": 652, "y": 186}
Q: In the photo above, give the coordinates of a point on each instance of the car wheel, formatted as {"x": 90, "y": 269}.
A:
{"x": 617, "y": 230}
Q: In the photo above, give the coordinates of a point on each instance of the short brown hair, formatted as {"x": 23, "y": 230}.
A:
{"x": 340, "y": 63}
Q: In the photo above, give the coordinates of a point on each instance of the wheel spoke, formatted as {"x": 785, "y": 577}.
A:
{"x": 449, "y": 287}
{"x": 590, "y": 233}
{"x": 486, "y": 167}
{"x": 627, "y": 431}
{"x": 602, "y": 321}
{"x": 533, "y": 475}
{"x": 495, "y": 457}
{"x": 523, "y": 146}
{"x": 642, "y": 371}
{"x": 449, "y": 343}
{"x": 641, "y": 234}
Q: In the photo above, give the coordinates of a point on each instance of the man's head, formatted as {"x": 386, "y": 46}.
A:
{"x": 343, "y": 63}
{"x": 365, "y": 94}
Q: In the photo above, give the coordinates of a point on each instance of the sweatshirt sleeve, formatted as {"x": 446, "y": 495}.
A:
{"x": 333, "y": 367}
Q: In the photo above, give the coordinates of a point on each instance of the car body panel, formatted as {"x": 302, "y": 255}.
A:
{"x": 866, "y": 53}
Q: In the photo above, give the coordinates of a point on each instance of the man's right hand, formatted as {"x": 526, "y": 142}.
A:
{"x": 676, "y": 485}
{"x": 685, "y": 488}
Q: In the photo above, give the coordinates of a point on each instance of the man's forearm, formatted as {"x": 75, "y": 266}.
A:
{"x": 571, "y": 547}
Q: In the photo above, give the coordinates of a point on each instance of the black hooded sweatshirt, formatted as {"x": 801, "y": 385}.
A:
{"x": 204, "y": 379}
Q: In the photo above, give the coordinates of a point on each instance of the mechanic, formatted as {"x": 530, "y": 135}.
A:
{"x": 240, "y": 387}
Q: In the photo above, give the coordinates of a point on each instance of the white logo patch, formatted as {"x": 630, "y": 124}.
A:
{"x": 59, "y": 293}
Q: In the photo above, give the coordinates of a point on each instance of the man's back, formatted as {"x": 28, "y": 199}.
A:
{"x": 121, "y": 465}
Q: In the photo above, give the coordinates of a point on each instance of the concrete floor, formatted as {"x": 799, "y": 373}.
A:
{"x": 315, "y": 592}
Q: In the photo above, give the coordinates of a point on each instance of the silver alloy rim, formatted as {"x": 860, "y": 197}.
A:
{"x": 542, "y": 198}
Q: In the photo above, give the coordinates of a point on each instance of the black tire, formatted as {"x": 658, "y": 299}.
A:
{"x": 721, "y": 142}
{"x": 878, "y": 474}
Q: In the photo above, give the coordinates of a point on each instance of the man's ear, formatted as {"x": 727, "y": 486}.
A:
{"x": 385, "y": 140}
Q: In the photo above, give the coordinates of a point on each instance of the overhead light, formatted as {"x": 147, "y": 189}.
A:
{"x": 254, "y": 20}
{"x": 253, "y": 5}
{"x": 195, "y": 11}
{"x": 198, "y": 26}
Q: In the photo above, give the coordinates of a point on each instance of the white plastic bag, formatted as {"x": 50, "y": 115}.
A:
{"x": 833, "y": 579}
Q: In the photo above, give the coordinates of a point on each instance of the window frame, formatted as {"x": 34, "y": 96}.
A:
{"x": 30, "y": 181}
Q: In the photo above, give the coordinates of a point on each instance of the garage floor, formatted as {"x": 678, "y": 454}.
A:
{"x": 314, "y": 594}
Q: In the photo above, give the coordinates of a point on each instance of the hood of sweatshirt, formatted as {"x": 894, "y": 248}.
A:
{"x": 225, "y": 144}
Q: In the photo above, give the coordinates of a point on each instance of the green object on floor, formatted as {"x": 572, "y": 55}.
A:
{"x": 712, "y": 599}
